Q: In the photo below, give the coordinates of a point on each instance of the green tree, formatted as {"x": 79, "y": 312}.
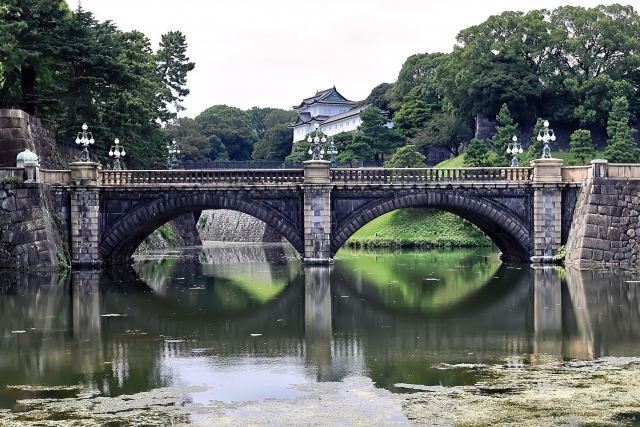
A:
{"x": 380, "y": 97}
{"x": 264, "y": 118}
{"x": 413, "y": 114}
{"x": 581, "y": 145}
{"x": 418, "y": 74}
{"x": 275, "y": 144}
{"x": 232, "y": 130}
{"x": 503, "y": 136}
{"x": 194, "y": 145}
{"x": 173, "y": 66}
{"x": 444, "y": 130}
{"x": 406, "y": 157}
{"x": 621, "y": 147}
{"x": 28, "y": 40}
{"x": 476, "y": 154}
{"x": 374, "y": 132}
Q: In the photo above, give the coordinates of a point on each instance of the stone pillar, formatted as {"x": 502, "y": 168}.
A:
{"x": 317, "y": 212}
{"x": 85, "y": 215}
{"x": 30, "y": 171}
{"x": 547, "y": 208}
{"x": 599, "y": 168}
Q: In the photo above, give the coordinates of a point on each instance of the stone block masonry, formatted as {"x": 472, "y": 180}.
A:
{"x": 30, "y": 235}
{"x": 317, "y": 225}
{"x": 606, "y": 227}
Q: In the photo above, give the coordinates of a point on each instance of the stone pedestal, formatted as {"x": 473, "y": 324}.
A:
{"x": 599, "y": 168}
{"x": 547, "y": 210}
{"x": 317, "y": 212}
{"x": 30, "y": 171}
{"x": 85, "y": 215}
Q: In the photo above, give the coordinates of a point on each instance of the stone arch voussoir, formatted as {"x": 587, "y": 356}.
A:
{"x": 508, "y": 232}
{"x": 122, "y": 238}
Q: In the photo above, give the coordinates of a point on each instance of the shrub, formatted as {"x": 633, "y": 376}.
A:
{"x": 167, "y": 233}
{"x": 11, "y": 180}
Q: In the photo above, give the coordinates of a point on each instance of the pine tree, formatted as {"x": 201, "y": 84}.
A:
{"x": 406, "y": 157}
{"x": 503, "y": 136}
{"x": 621, "y": 146}
{"x": 581, "y": 145}
{"x": 476, "y": 154}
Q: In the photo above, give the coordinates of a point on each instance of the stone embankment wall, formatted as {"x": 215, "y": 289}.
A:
{"x": 231, "y": 226}
{"x": 605, "y": 227}
{"x": 184, "y": 229}
{"x": 31, "y": 227}
{"x": 19, "y": 130}
{"x": 485, "y": 128}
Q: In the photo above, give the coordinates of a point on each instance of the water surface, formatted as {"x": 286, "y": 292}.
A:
{"x": 249, "y": 322}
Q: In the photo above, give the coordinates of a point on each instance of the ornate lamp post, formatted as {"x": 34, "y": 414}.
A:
{"x": 172, "y": 160}
{"x": 85, "y": 138}
{"x": 117, "y": 151}
{"x": 333, "y": 151}
{"x": 516, "y": 148}
{"x": 316, "y": 151}
{"x": 545, "y": 134}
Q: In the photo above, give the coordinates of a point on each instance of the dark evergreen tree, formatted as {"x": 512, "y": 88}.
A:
{"x": 476, "y": 154}
{"x": 581, "y": 146}
{"x": 621, "y": 147}
{"x": 274, "y": 145}
{"x": 406, "y": 157}
{"x": 503, "y": 136}
{"x": 535, "y": 149}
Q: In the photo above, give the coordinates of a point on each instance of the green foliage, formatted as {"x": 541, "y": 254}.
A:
{"x": 11, "y": 180}
{"x": 202, "y": 221}
{"x": 380, "y": 97}
{"x": 419, "y": 227}
{"x": 69, "y": 68}
{"x": 503, "y": 136}
{"x": 413, "y": 114}
{"x": 567, "y": 65}
{"x": 374, "y": 134}
{"x": 275, "y": 144}
{"x": 406, "y": 157}
{"x": 561, "y": 255}
{"x": 264, "y": 118}
{"x": 167, "y": 233}
{"x": 301, "y": 152}
{"x": 58, "y": 217}
{"x": 582, "y": 146}
{"x": 444, "y": 130}
{"x": 418, "y": 75}
{"x": 229, "y": 131}
{"x": 194, "y": 145}
{"x": 63, "y": 265}
{"x": 476, "y": 154}
{"x": 621, "y": 146}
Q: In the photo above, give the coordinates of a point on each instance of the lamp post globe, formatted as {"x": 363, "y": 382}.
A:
{"x": 117, "y": 151}
{"x": 514, "y": 148}
{"x": 85, "y": 139}
{"x": 545, "y": 134}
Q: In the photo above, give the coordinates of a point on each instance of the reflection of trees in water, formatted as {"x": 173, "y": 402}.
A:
{"x": 334, "y": 329}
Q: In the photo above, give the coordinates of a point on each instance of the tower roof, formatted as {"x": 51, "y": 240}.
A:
{"x": 327, "y": 96}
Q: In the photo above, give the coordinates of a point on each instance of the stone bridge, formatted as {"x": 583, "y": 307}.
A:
{"x": 528, "y": 212}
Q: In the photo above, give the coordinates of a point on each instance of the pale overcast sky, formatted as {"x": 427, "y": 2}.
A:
{"x": 273, "y": 53}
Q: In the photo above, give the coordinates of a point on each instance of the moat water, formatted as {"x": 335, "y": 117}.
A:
{"x": 248, "y": 322}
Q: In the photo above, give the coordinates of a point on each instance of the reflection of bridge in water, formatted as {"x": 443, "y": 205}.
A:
{"x": 334, "y": 327}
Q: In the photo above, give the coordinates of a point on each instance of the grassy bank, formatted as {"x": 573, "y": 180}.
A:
{"x": 419, "y": 227}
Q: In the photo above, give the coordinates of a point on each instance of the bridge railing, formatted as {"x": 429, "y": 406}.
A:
{"x": 210, "y": 176}
{"x": 410, "y": 175}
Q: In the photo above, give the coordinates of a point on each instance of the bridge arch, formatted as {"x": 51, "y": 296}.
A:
{"x": 120, "y": 239}
{"x": 512, "y": 235}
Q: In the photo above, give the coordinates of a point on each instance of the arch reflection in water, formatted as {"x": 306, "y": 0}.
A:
{"x": 120, "y": 334}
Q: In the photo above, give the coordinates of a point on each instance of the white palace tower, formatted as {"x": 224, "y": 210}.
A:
{"x": 330, "y": 110}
